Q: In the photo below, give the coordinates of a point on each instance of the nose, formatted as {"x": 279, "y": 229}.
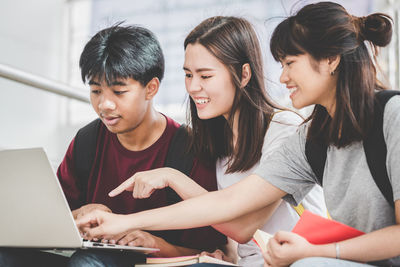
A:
{"x": 106, "y": 103}
{"x": 193, "y": 85}
{"x": 284, "y": 78}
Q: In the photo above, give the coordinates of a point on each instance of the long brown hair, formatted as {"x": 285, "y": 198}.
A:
{"x": 324, "y": 30}
{"x": 233, "y": 41}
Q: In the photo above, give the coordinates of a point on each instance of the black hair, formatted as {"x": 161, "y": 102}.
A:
{"x": 122, "y": 52}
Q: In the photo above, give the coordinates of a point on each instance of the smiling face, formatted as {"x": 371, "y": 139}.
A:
{"x": 309, "y": 81}
{"x": 208, "y": 82}
{"x": 121, "y": 106}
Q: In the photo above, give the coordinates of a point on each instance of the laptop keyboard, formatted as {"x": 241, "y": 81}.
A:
{"x": 98, "y": 243}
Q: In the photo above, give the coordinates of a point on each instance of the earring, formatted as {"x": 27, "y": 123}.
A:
{"x": 332, "y": 72}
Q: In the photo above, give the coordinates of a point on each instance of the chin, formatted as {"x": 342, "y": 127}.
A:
{"x": 205, "y": 116}
{"x": 298, "y": 105}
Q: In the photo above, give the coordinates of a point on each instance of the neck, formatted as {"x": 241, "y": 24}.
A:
{"x": 331, "y": 109}
{"x": 146, "y": 133}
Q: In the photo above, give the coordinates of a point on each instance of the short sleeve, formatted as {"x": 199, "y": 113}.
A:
{"x": 391, "y": 131}
{"x": 287, "y": 167}
{"x": 68, "y": 180}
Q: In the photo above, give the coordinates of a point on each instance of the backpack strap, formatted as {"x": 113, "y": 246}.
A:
{"x": 84, "y": 153}
{"x": 375, "y": 146}
{"x": 179, "y": 158}
{"x": 316, "y": 157}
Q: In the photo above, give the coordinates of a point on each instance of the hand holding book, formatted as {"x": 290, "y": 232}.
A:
{"x": 315, "y": 229}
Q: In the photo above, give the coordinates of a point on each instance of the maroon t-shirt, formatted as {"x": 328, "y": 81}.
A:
{"x": 113, "y": 164}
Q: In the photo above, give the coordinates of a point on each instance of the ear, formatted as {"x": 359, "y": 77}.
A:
{"x": 333, "y": 63}
{"x": 152, "y": 88}
{"x": 246, "y": 75}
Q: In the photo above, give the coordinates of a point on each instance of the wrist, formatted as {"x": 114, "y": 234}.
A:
{"x": 327, "y": 250}
{"x": 172, "y": 177}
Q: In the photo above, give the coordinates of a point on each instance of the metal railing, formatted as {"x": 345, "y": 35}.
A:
{"x": 43, "y": 83}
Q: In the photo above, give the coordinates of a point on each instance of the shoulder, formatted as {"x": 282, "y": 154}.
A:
{"x": 391, "y": 117}
{"x": 170, "y": 129}
{"x": 392, "y": 107}
{"x": 283, "y": 123}
{"x": 171, "y": 123}
{"x": 286, "y": 117}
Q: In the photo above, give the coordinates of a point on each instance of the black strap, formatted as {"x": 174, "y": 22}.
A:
{"x": 374, "y": 147}
{"x": 84, "y": 152}
{"x": 179, "y": 158}
{"x": 316, "y": 157}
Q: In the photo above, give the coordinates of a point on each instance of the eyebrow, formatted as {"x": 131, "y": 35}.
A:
{"x": 118, "y": 83}
{"x": 92, "y": 82}
{"x": 199, "y": 70}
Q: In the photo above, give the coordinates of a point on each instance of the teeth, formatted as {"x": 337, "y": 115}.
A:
{"x": 202, "y": 101}
{"x": 292, "y": 90}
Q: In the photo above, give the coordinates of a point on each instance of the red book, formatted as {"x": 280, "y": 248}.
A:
{"x": 319, "y": 230}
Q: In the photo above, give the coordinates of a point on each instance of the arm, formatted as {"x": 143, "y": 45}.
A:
{"x": 145, "y": 239}
{"x": 143, "y": 184}
{"x": 285, "y": 247}
{"x": 241, "y": 229}
{"x": 85, "y": 209}
{"x": 207, "y": 209}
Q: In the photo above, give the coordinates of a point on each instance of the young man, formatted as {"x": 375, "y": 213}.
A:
{"x": 124, "y": 67}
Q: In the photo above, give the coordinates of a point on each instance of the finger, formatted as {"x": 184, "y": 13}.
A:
{"x": 136, "y": 243}
{"x": 272, "y": 246}
{"x": 125, "y": 240}
{"x": 116, "y": 238}
{"x": 283, "y": 236}
{"x": 86, "y": 221}
{"x": 267, "y": 258}
{"x": 138, "y": 190}
{"x": 147, "y": 192}
{"x": 125, "y": 186}
{"x": 97, "y": 232}
{"x": 218, "y": 254}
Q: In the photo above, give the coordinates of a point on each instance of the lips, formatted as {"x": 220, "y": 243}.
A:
{"x": 110, "y": 120}
{"x": 292, "y": 90}
{"x": 201, "y": 102}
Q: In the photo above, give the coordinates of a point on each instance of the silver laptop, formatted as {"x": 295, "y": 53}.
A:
{"x": 34, "y": 211}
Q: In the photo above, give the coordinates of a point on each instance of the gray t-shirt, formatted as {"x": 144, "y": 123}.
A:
{"x": 351, "y": 195}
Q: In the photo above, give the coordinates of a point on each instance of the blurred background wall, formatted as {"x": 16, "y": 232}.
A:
{"x": 46, "y": 37}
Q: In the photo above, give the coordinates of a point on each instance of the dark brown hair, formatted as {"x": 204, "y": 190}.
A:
{"x": 233, "y": 41}
{"x": 325, "y": 30}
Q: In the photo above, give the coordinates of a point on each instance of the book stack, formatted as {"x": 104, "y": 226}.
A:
{"x": 182, "y": 261}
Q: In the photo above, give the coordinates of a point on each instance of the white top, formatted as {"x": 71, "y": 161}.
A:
{"x": 285, "y": 217}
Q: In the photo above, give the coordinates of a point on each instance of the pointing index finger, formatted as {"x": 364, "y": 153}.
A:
{"x": 125, "y": 186}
